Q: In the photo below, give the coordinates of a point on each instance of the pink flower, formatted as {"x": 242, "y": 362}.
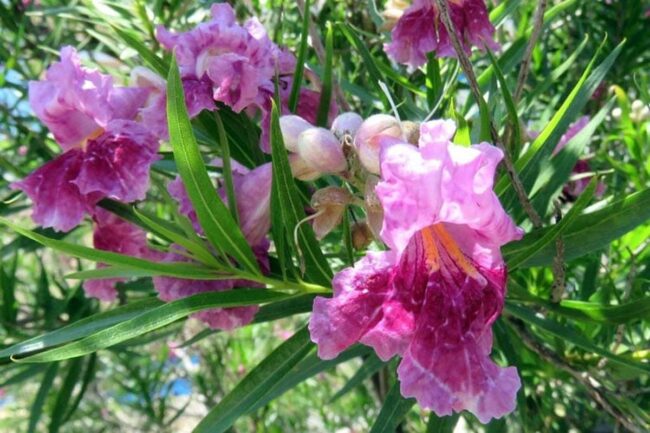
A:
{"x": 420, "y": 31}
{"x": 433, "y": 297}
{"x": 115, "y": 165}
{"x": 112, "y": 233}
{"x": 107, "y": 154}
{"x": 76, "y": 103}
{"x": 253, "y": 194}
{"x": 240, "y": 62}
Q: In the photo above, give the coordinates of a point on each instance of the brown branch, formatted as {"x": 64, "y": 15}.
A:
{"x": 534, "y": 37}
{"x": 466, "y": 65}
{"x": 558, "y": 262}
{"x": 583, "y": 377}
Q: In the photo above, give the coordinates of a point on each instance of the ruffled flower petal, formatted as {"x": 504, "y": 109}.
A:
{"x": 76, "y": 103}
{"x": 420, "y": 31}
{"x": 57, "y": 201}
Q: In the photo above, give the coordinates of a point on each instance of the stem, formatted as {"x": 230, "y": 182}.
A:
{"x": 465, "y": 63}
{"x": 525, "y": 64}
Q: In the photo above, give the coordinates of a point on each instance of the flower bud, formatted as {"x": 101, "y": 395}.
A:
{"x": 367, "y": 140}
{"x": 361, "y": 235}
{"x": 346, "y": 123}
{"x": 637, "y": 105}
{"x": 321, "y": 150}
{"x": 617, "y": 113}
{"x": 300, "y": 170}
{"x": 329, "y": 204}
{"x": 292, "y": 126}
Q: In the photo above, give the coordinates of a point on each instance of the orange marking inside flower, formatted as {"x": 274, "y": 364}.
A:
{"x": 94, "y": 135}
{"x": 436, "y": 238}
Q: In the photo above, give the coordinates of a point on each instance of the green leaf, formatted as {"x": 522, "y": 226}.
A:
{"x": 571, "y": 336}
{"x": 445, "y": 424}
{"x": 215, "y": 218}
{"x": 555, "y": 172}
{"x": 376, "y": 76}
{"x": 300, "y": 61}
{"x": 308, "y": 367}
{"x": 179, "y": 270}
{"x": 392, "y": 412}
{"x": 37, "y": 407}
{"x": 555, "y": 231}
{"x": 510, "y": 106}
{"x": 326, "y": 90}
{"x": 150, "y": 58}
{"x": 154, "y": 319}
{"x": 370, "y": 366}
{"x": 64, "y": 394}
{"x": 81, "y": 328}
{"x": 256, "y": 384}
{"x": 528, "y": 165}
{"x": 291, "y": 208}
{"x": 588, "y": 232}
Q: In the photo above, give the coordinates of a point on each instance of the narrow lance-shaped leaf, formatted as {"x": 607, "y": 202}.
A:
{"x": 215, "y": 218}
{"x": 392, "y": 412}
{"x": 317, "y": 269}
{"x": 256, "y": 384}
{"x": 155, "y": 319}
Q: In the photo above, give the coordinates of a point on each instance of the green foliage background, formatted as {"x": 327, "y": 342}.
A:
{"x": 71, "y": 364}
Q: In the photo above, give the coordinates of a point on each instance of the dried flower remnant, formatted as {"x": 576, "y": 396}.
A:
{"x": 433, "y": 297}
{"x": 420, "y": 31}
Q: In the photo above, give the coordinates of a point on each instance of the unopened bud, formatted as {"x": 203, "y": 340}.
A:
{"x": 292, "y": 126}
{"x": 321, "y": 150}
{"x": 301, "y": 170}
{"x": 361, "y": 235}
{"x": 617, "y": 113}
{"x": 346, "y": 123}
{"x": 368, "y": 138}
{"x": 329, "y": 204}
{"x": 637, "y": 105}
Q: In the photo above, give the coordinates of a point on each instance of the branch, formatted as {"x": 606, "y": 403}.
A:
{"x": 466, "y": 65}
{"x": 583, "y": 377}
{"x": 525, "y": 64}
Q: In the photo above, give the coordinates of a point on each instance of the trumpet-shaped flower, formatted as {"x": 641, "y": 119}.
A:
{"x": 115, "y": 165}
{"x": 433, "y": 297}
{"x": 77, "y": 103}
{"x": 106, "y": 152}
{"x": 240, "y": 61}
{"x": 420, "y": 31}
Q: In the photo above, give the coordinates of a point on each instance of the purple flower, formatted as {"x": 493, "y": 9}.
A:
{"x": 238, "y": 61}
{"x": 253, "y": 193}
{"x": 420, "y": 31}
{"x": 107, "y": 154}
{"x": 433, "y": 297}
{"x": 77, "y": 103}
{"x": 112, "y": 233}
{"x": 115, "y": 165}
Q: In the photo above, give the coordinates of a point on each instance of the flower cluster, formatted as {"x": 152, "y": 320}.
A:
{"x": 430, "y": 297}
